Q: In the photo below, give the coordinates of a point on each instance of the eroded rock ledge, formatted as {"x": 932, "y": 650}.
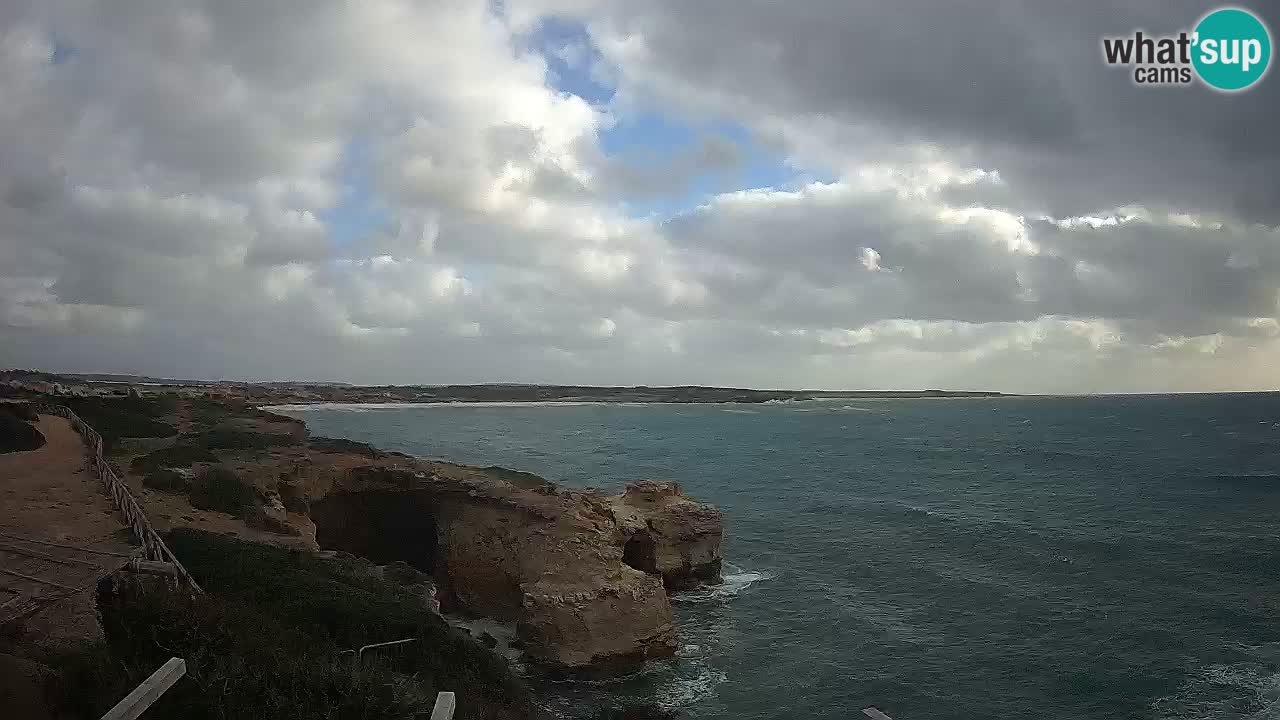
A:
{"x": 583, "y": 575}
{"x": 668, "y": 534}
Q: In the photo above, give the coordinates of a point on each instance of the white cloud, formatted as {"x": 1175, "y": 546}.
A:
{"x": 870, "y": 259}
{"x": 167, "y": 194}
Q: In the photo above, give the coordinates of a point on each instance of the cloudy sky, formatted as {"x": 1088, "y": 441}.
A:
{"x": 825, "y": 193}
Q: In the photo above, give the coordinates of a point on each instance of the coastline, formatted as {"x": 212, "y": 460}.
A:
{"x": 400, "y": 405}
{"x": 539, "y": 576}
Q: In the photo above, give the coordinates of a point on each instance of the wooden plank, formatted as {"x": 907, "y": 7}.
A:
{"x": 136, "y": 702}
{"x": 875, "y": 714}
{"x": 65, "y": 547}
{"x": 45, "y": 556}
{"x": 445, "y": 705}
{"x": 33, "y": 578}
{"x": 151, "y": 567}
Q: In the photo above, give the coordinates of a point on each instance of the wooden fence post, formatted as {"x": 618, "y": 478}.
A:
{"x": 445, "y": 705}
{"x": 136, "y": 702}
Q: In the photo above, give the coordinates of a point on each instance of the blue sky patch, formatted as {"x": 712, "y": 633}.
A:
{"x": 668, "y": 154}
{"x": 62, "y": 51}
{"x": 358, "y": 211}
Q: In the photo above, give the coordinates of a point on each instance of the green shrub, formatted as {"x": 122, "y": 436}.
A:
{"x": 233, "y": 439}
{"x": 17, "y": 435}
{"x": 342, "y": 445}
{"x": 180, "y": 455}
{"x": 166, "y": 480}
{"x": 264, "y": 643}
{"x": 220, "y": 489}
{"x": 338, "y": 600}
{"x": 123, "y": 417}
{"x": 269, "y": 416}
{"x": 403, "y": 573}
{"x": 206, "y": 413}
{"x": 21, "y": 410}
{"x": 241, "y": 663}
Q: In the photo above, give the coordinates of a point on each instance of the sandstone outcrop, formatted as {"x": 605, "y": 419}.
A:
{"x": 621, "y": 617}
{"x": 583, "y": 576}
{"x": 669, "y": 534}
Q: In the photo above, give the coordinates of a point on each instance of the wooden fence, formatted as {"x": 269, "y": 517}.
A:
{"x": 155, "y": 550}
{"x": 153, "y": 546}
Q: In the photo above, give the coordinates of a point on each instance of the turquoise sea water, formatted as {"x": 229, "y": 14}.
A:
{"x": 1111, "y": 557}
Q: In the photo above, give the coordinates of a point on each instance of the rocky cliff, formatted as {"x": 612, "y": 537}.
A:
{"x": 668, "y": 534}
{"x": 583, "y": 576}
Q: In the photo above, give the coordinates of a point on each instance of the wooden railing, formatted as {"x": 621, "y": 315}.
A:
{"x": 153, "y": 546}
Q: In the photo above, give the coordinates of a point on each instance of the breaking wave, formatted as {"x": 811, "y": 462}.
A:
{"x": 1239, "y": 691}
{"x": 733, "y": 581}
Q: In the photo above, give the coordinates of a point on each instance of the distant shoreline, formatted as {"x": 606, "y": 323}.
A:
{"x": 580, "y": 401}
{"x": 300, "y": 393}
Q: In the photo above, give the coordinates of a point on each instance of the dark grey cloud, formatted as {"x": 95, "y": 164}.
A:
{"x": 1014, "y": 85}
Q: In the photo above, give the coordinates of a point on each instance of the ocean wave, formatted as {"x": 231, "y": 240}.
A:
{"x": 732, "y": 582}
{"x": 1260, "y": 476}
{"x": 685, "y": 691}
{"x": 1240, "y": 691}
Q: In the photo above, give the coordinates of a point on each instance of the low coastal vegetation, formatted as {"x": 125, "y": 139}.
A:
{"x": 221, "y": 489}
{"x": 16, "y": 431}
{"x": 342, "y": 445}
{"x": 21, "y": 410}
{"x": 166, "y": 480}
{"x": 223, "y": 438}
{"x": 125, "y": 417}
{"x": 180, "y": 455}
{"x": 268, "y": 641}
{"x": 199, "y": 447}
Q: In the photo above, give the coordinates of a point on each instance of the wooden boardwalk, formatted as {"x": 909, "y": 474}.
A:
{"x": 35, "y": 573}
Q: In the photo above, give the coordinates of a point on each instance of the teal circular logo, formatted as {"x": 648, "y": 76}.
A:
{"x": 1232, "y": 49}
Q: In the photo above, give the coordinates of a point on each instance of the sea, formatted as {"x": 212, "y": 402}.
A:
{"x": 938, "y": 559}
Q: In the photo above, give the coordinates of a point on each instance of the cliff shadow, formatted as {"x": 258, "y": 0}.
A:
{"x": 383, "y": 526}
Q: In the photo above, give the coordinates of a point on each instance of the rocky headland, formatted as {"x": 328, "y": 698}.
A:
{"x": 583, "y": 576}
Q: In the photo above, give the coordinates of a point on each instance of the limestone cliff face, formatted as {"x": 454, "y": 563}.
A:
{"x": 621, "y": 617}
{"x": 669, "y": 534}
{"x": 553, "y": 565}
{"x": 581, "y": 574}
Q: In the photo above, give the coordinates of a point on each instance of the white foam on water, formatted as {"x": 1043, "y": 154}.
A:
{"x": 689, "y": 651}
{"x": 732, "y": 582}
{"x": 685, "y": 691}
{"x": 1200, "y": 696}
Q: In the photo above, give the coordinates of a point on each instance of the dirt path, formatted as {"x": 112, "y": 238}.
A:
{"x": 51, "y": 495}
{"x": 184, "y": 416}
